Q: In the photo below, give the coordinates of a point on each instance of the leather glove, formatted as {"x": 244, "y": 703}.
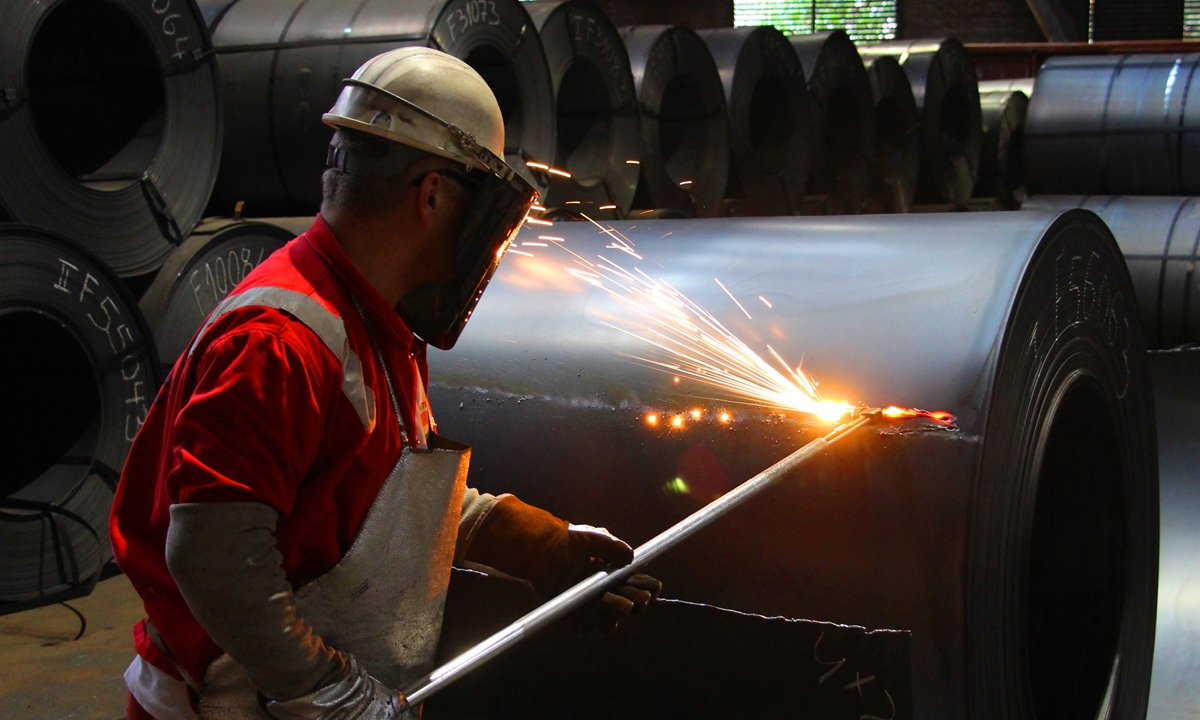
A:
{"x": 358, "y": 696}
{"x": 531, "y": 544}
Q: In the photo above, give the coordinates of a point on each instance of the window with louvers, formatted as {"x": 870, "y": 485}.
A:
{"x": 863, "y": 20}
{"x": 1191, "y": 19}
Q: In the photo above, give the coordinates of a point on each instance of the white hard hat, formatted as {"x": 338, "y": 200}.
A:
{"x": 426, "y": 99}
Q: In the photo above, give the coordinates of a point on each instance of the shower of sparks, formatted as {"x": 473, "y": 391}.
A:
{"x": 560, "y": 173}
{"x": 530, "y": 243}
{"x": 765, "y": 301}
{"x": 683, "y": 183}
{"x": 607, "y": 207}
{"x": 537, "y": 221}
{"x": 686, "y": 341}
{"x": 938, "y": 416}
{"x": 537, "y": 207}
{"x": 633, "y": 162}
{"x": 537, "y": 165}
{"x": 520, "y": 252}
{"x": 735, "y": 300}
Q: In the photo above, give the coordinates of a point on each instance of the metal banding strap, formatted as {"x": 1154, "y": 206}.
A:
{"x": 325, "y": 324}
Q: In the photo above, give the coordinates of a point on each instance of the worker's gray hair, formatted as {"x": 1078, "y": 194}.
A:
{"x": 366, "y": 194}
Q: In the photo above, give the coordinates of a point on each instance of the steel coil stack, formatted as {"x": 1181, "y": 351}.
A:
{"x": 282, "y": 63}
{"x": 198, "y": 276}
{"x": 944, "y": 86}
{"x": 1160, "y": 238}
{"x": 1020, "y": 547}
{"x": 110, "y": 125}
{"x": 77, "y": 374}
{"x": 897, "y": 137}
{"x": 1002, "y": 156}
{"x": 598, "y": 137}
{"x": 1119, "y": 124}
{"x": 770, "y": 124}
{"x": 843, "y": 124}
{"x": 684, "y": 125}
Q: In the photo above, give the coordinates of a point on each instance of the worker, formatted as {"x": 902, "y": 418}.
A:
{"x": 287, "y": 512}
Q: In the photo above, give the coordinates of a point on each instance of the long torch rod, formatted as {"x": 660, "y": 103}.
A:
{"x": 593, "y": 586}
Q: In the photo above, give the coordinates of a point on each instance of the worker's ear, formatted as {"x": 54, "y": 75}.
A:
{"x": 428, "y": 196}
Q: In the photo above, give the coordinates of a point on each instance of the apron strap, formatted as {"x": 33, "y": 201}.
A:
{"x": 421, "y": 436}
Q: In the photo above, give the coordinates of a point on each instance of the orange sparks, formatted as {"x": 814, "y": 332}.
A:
{"x": 514, "y": 251}
{"x": 530, "y": 243}
{"x": 735, "y": 300}
{"x": 555, "y": 238}
{"x": 724, "y": 417}
{"x": 633, "y": 162}
{"x": 676, "y": 381}
{"x": 765, "y": 301}
{"x": 536, "y": 221}
{"x": 652, "y": 419}
{"x": 940, "y": 417}
{"x": 537, "y": 207}
{"x": 607, "y": 207}
{"x": 537, "y": 165}
{"x": 560, "y": 173}
{"x": 677, "y": 422}
{"x": 572, "y": 202}
{"x": 696, "y": 413}
{"x": 684, "y": 183}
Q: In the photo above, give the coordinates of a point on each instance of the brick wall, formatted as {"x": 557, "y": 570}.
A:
{"x": 969, "y": 20}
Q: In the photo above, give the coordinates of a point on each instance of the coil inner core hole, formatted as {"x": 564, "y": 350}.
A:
{"x": 96, "y": 93}
{"x": 585, "y": 120}
{"x": 500, "y": 74}
{"x": 682, "y": 128}
{"x": 1077, "y": 556}
{"x": 50, "y": 396}
{"x": 770, "y": 118}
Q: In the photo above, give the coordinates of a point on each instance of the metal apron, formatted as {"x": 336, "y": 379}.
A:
{"x": 383, "y": 602}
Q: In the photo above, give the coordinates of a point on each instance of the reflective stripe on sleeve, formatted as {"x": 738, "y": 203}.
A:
{"x": 325, "y": 324}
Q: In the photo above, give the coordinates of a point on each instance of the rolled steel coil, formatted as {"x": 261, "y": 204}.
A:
{"x": 684, "y": 125}
{"x": 282, "y": 63}
{"x": 1121, "y": 124}
{"x": 897, "y": 137}
{"x": 206, "y": 268}
{"x": 78, "y": 372}
{"x": 110, "y": 125}
{"x": 843, "y": 119}
{"x": 770, "y": 118}
{"x": 1024, "y": 85}
{"x": 944, "y": 87}
{"x": 1177, "y": 641}
{"x": 1019, "y": 547}
{"x": 595, "y": 105}
{"x": 1002, "y": 158}
{"x": 1160, "y": 238}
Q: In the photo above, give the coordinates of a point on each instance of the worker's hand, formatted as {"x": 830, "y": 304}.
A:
{"x": 531, "y": 544}
{"x": 358, "y": 696}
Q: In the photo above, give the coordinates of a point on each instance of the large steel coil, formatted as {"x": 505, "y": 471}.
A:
{"x": 843, "y": 119}
{"x": 1160, "y": 237}
{"x": 770, "y": 123}
{"x": 944, "y": 86}
{"x": 1177, "y": 641}
{"x": 1020, "y": 547}
{"x": 1115, "y": 124}
{"x": 685, "y": 129}
{"x": 897, "y": 137}
{"x": 282, "y": 63}
{"x": 77, "y": 374}
{"x": 595, "y": 104}
{"x": 1024, "y": 85}
{"x": 1002, "y": 157}
{"x": 206, "y": 268}
{"x": 110, "y": 125}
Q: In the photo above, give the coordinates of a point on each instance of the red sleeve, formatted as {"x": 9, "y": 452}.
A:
{"x": 253, "y": 423}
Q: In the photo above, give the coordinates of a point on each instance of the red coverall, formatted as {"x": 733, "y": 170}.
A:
{"x": 257, "y": 412}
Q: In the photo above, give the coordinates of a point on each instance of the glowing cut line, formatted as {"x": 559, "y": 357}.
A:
{"x": 735, "y": 300}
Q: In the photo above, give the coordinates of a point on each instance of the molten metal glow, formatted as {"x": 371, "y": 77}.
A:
{"x": 652, "y": 419}
{"x": 677, "y": 422}
{"x": 898, "y": 413}
{"x": 724, "y": 417}
{"x": 696, "y": 413}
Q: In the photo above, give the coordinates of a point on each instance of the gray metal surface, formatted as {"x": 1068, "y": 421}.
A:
{"x": 1174, "y": 694}
{"x": 282, "y": 63}
{"x": 1002, "y": 158}
{"x": 843, "y": 119}
{"x": 598, "y": 136}
{"x": 1024, "y": 85}
{"x": 587, "y": 590}
{"x": 944, "y": 86}
{"x": 684, "y": 125}
{"x": 770, "y": 124}
{"x": 1160, "y": 238}
{"x": 897, "y": 137}
{"x": 1115, "y": 124}
{"x": 1021, "y": 324}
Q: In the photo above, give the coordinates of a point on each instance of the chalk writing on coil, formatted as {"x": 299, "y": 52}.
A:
{"x": 471, "y": 13}
{"x": 220, "y": 275}
{"x": 837, "y": 664}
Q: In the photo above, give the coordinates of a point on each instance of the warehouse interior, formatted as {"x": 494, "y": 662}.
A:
{"x": 873, "y": 326}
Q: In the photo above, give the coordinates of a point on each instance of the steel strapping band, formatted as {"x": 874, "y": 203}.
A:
{"x": 161, "y": 210}
{"x": 315, "y": 317}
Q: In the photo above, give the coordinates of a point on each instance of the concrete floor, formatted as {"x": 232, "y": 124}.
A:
{"x": 45, "y": 675}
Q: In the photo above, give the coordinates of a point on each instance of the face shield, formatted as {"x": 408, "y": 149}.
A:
{"x": 437, "y": 311}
